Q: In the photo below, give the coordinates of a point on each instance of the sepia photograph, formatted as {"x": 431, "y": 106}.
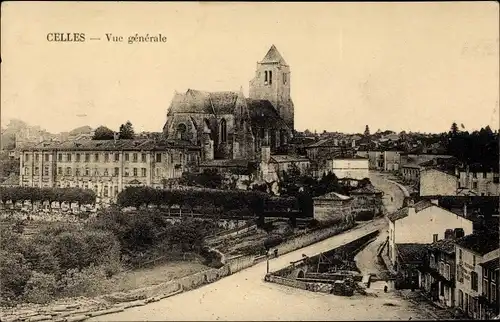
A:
{"x": 249, "y": 161}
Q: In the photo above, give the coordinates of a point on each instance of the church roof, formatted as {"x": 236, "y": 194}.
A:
{"x": 273, "y": 56}
{"x": 263, "y": 113}
{"x": 195, "y": 101}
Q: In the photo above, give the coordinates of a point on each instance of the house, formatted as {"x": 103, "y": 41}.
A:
{"x": 437, "y": 275}
{"x": 375, "y": 158}
{"x": 491, "y": 287}
{"x": 421, "y": 223}
{"x": 483, "y": 182}
{"x": 470, "y": 252}
{"x": 409, "y": 258}
{"x": 411, "y": 172}
{"x": 434, "y": 182}
{"x": 273, "y": 167}
{"x": 332, "y": 206}
{"x": 346, "y": 168}
{"x": 367, "y": 199}
{"x": 392, "y": 160}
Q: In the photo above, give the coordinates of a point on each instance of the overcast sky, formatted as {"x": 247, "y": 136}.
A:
{"x": 398, "y": 66}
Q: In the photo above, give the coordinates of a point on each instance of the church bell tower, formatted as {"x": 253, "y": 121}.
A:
{"x": 272, "y": 83}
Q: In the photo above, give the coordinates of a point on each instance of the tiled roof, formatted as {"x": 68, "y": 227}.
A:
{"x": 481, "y": 243}
{"x": 263, "y": 113}
{"x": 492, "y": 264}
{"x": 368, "y": 189}
{"x": 111, "y": 145}
{"x": 403, "y": 212}
{"x": 324, "y": 143}
{"x": 227, "y": 163}
{"x": 411, "y": 253}
{"x": 195, "y": 101}
{"x": 444, "y": 245}
{"x": 333, "y": 196}
{"x": 273, "y": 56}
{"x": 278, "y": 158}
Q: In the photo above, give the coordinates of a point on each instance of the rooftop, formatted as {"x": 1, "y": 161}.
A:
{"x": 403, "y": 212}
{"x": 227, "y": 163}
{"x": 278, "y": 158}
{"x": 482, "y": 244}
{"x": 444, "y": 245}
{"x": 411, "y": 253}
{"x": 492, "y": 264}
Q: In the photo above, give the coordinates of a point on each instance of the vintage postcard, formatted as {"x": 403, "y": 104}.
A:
{"x": 195, "y": 161}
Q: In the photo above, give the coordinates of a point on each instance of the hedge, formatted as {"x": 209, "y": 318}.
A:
{"x": 36, "y": 194}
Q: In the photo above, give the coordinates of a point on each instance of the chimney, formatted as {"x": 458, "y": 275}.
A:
{"x": 449, "y": 234}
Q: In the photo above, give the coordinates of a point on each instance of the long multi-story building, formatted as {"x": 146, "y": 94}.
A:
{"x": 106, "y": 166}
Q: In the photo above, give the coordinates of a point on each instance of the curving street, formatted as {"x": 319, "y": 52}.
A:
{"x": 245, "y": 296}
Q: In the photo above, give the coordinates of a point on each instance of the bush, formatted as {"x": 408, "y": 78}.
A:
{"x": 40, "y": 288}
{"x": 364, "y": 215}
{"x": 14, "y": 274}
{"x": 89, "y": 281}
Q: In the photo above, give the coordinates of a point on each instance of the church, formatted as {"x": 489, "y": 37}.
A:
{"x": 229, "y": 126}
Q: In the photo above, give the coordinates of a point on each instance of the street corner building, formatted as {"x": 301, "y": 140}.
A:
{"x": 227, "y": 125}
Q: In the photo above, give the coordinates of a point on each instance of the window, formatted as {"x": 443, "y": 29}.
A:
{"x": 265, "y": 77}
{"x": 441, "y": 268}
{"x": 45, "y": 171}
{"x": 126, "y": 157}
{"x": 134, "y": 157}
{"x": 96, "y": 172}
{"x": 59, "y": 157}
{"x": 37, "y": 170}
{"x": 26, "y": 171}
{"x": 181, "y": 131}
{"x": 473, "y": 260}
{"x": 59, "y": 171}
{"x": 27, "y": 157}
{"x": 460, "y": 274}
{"x": 135, "y": 172}
{"x": 284, "y": 78}
{"x": 493, "y": 292}
{"x": 180, "y": 157}
{"x": 37, "y": 158}
{"x": 117, "y": 172}
{"x": 77, "y": 172}
{"x": 87, "y": 172}
{"x": 126, "y": 172}
{"x": 68, "y": 171}
{"x": 484, "y": 175}
{"x": 143, "y": 157}
{"x": 78, "y": 157}
{"x": 496, "y": 180}
{"x": 105, "y": 191}
{"x": 87, "y": 157}
{"x": 47, "y": 158}
{"x": 106, "y": 173}
{"x": 158, "y": 157}
{"x": 106, "y": 157}
{"x": 117, "y": 157}
{"x": 172, "y": 158}
{"x": 461, "y": 299}
{"x": 68, "y": 157}
{"x": 473, "y": 280}
{"x": 474, "y": 175}
{"x": 270, "y": 77}
{"x": 115, "y": 189}
{"x": 447, "y": 273}
{"x": 474, "y": 185}
{"x": 143, "y": 172}
{"x": 460, "y": 255}
{"x": 96, "y": 157}
{"x": 158, "y": 172}
{"x": 435, "y": 238}
{"x": 223, "y": 131}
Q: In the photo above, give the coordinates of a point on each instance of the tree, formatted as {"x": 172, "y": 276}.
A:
{"x": 103, "y": 133}
{"x": 126, "y": 131}
{"x": 367, "y": 131}
{"x": 454, "y": 129}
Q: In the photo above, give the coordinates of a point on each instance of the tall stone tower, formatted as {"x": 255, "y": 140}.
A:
{"x": 272, "y": 83}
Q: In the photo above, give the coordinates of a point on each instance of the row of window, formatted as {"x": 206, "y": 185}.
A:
{"x": 68, "y": 171}
{"x": 86, "y": 157}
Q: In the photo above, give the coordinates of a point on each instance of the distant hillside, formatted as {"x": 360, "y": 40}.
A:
{"x": 81, "y": 130}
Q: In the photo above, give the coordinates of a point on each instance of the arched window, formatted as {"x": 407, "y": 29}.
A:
{"x": 223, "y": 131}
{"x": 181, "y": 131}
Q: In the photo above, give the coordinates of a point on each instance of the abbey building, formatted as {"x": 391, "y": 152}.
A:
{"x": 227, "y": 125}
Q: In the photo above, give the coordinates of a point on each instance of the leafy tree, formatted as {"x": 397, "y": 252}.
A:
{"x": 103, "y": 133}
{"x": 126, "y": 131}
{"x": 454, "y": 129}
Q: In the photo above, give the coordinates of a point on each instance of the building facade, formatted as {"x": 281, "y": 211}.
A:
{"x": 434, "y": 182}
{"x": 481, "y": 183}
{"x": 106, "y": 166}
{"x": 343, "y": 168}
{"x": 332, "y": 206}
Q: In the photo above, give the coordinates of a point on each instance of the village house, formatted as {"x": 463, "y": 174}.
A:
{"x": 491, "y": 287}
{"x": 437, "y": 274}
{"x": 375, "y": 159}
{"x": 411, "y": 173}
{"x": 345, "y": 168}
{"x": 434, "y": 182}
{"x": 480, "y": 181}
{"x": 106, "y": 166}
{"x": 332, "y": 206}
{"x": 415, "y": 225}
{"x": 470, "y": 252}
{"x": 367, "y": 199}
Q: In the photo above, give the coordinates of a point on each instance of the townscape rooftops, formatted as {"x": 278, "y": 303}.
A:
{"x": 273, "y": 56}
{"x": 333, "y": 196}
{"x": 329, "y": 142}
{"x": 403, "y": 212}
{"x": 444, "y": 245}
{"x": 225, "y": 163}
{"x": 481, "y": 243}
{"x": 111, "y": 145}
{"x": 367, "y": 189}
{"x": 411, "y": 253}
{"x": 285, "y": 158}
{"x": 492, "y": 264}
